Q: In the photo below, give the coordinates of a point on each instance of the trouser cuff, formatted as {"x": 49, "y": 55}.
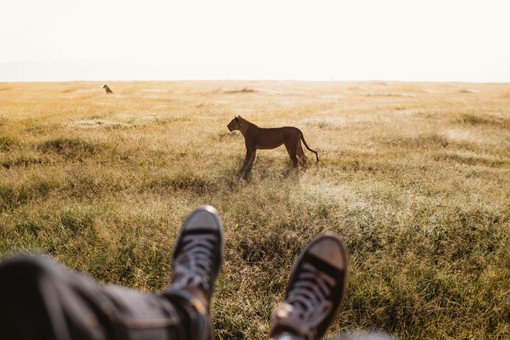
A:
{"x": 196, "y": 319}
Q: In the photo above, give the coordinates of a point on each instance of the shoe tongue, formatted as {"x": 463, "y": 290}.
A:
{"x": 327, "y": 251}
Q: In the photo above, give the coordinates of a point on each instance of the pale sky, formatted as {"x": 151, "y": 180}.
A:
{"x": 408, "y": 40}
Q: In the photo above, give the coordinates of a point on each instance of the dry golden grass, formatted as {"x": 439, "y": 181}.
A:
{"x": 414, "y": 176}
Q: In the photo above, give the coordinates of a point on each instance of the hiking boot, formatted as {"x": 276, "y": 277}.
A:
{"x": 198, "y": 254}
{"x": 315, "y": 290}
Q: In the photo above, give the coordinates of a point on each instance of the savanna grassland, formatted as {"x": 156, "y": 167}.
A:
{"x": 415, "y": 177}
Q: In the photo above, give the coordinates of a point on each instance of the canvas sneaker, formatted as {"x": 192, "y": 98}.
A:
{"x": 315, "y": 290}
{"x": 198, "y": 254}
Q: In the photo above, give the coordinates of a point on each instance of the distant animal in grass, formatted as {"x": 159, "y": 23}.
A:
{"x": 269, "y": 138}
{"x": 107, "y": 89}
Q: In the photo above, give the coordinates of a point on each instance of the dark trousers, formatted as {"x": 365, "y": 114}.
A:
{"x": 41, "y": 300}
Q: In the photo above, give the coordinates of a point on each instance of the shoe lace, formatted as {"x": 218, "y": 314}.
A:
{"x": 308, "y": 299}
{"x": 193, "y": 265}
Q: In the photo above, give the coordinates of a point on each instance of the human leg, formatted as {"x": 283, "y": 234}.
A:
{"x": 314, "y": 292}
{"x": 196, "y": 261}
{"x": 33, "y": 295}
{"x": 41, "y": 300}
